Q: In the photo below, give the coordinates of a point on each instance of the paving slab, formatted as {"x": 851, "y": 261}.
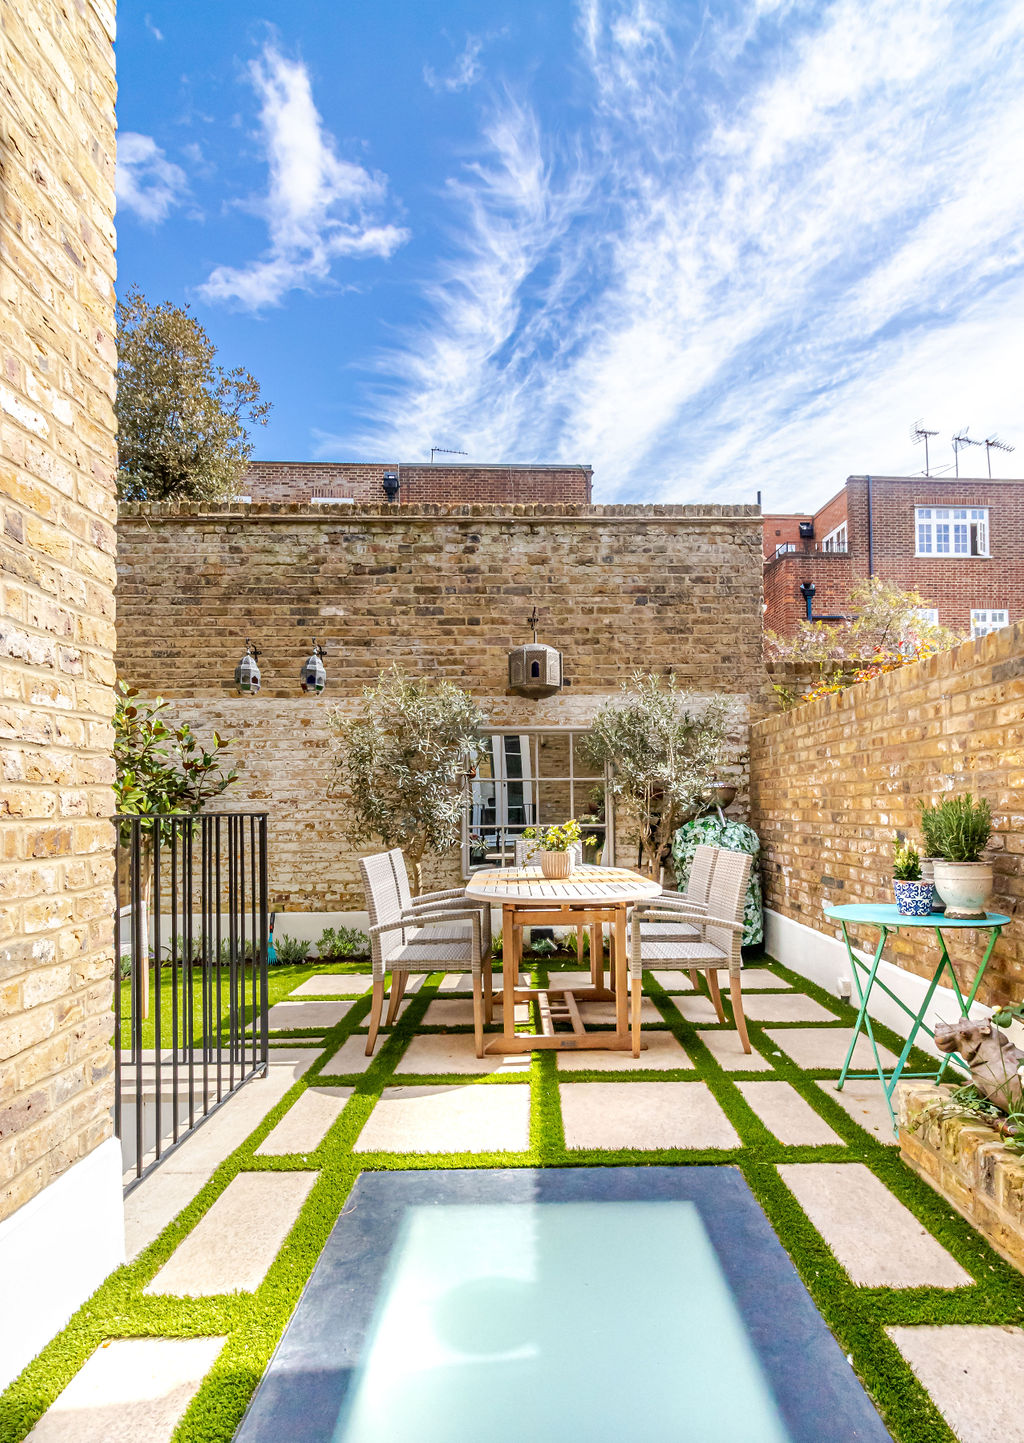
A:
{"x": 756, "y": 978}
{"x": 786, "y": 1007}
{"x": 159, "y": 1198}
{"x": 458, "y": 1012}
{"x": 234, "y": 1243}
{"x": 661, "y": 1052}
{"x": 463, "y": 982}
{"x": 288, "y": 1016}
{"x": 876, "y": 1239}
{"x": 602, "y": 1014}
{"x": 432, "y": 1054}
{"x": 724, "y": 1046}
{"x": 957, "y": 1363}
{"x": 673, "y": 981}
{"x": 131, "y": 1390}
{"x": 335, "y": 984}
{"x": 350, "y": 1057}
{"x": 307, "y": 1122}
{"x": 696, "y": 1009}
{"x": 788, "y": 1115}
{"x": 454, "y": 1118}
{"x": 825, "y": 1047}
{"x": 643, "y": 1115}
{"x": 865, "y": 1101}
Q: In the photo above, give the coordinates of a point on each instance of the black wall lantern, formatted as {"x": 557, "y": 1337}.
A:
{"x": 247, "y": 672}
{"x": 314, "y": 675}
{"x": 392, "y": 486}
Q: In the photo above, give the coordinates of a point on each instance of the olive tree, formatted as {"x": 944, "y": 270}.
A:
{"x": 663, "y": 747}
{"x": 403, "y": 763}
{"x": 182, "y": 420}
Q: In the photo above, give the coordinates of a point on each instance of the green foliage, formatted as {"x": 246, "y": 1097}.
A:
{"x": 888, "y": 623}
{"x": 161, "y": 768}
{"x": 403, "y": 763}
{"x": 664, "y": 748}
{"x": 962, "y": 828}
{"x": 337, "y": 942}
{"x": 929, "y": 829}
{"x": 906, "y": 864}
{"x": 290, "y": 950}
{"x": 556, "y": 838}
{"x": 181, "y": 418}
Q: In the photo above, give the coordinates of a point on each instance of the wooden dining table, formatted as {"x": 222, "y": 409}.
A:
{"x": 591, "y": 897}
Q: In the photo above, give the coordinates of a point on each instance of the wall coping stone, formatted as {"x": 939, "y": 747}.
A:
{"x": 432, "y": 511}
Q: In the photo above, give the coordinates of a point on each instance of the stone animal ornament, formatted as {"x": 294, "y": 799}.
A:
{"x": 992, "y": 1058}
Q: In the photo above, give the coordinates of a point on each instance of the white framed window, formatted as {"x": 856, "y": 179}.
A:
{"x": 836, "y": 540}
{"x": 951, "y": 530}
{"x": 929, "y": 614}
{"x": 984, "y": 620}
{"x": 532, "y": 778}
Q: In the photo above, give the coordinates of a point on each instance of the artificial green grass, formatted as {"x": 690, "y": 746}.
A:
{"x": 253, "y": 1322}
{"x": 281, "y": 980}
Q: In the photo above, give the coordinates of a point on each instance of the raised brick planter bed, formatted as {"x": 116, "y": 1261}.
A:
{"x": 968, "y": 1165}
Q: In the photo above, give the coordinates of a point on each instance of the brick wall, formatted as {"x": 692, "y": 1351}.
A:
{"x": 833, "y": 779}
{"x": 57, "y": 565}
{"x": 782, "y": 531}
{"x": 446, "y": 590}
{"x": 830, "y": 572}
{"x": 299, "y": 481}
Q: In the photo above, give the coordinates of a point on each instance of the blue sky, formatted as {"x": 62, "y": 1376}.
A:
{"x": 708, "y": 249}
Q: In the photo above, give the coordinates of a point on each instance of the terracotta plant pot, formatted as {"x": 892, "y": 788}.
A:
{"x": 928, "y": 875}
{"x": 965, "y": 887}
{"x": 556, "y": 864}
{"x": 913, "y": 899}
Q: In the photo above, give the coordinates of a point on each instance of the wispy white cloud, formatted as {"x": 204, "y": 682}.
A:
{"x": 148, "y": 184}
{"x": 318, "y": 207}
{"x": 154, "y": 29}
{"x": 776, "y": 239}
{"x": 465, "y": 72}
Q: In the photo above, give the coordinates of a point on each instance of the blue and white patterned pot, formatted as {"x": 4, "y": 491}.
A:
{"x": 913, "y": 899}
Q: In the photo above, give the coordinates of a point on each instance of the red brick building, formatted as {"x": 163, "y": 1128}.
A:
{"x": 335, "y": 482}
{"x": 959, "y": 542}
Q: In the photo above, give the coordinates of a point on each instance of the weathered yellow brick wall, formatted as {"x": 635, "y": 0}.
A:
{"x": 441, "y": 589}
{"x": 57, "y": 463}
{"x": 833, "y": 779}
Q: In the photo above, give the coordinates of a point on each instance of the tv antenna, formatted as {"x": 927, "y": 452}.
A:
{"x": 919, "y": 434}
{"x": 444, "y": 451}
{"x": 993, "y": 443}
{"x": 960, "y": 440}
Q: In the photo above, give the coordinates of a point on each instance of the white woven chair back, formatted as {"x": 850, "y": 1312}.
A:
{"x": 702, "y": 867}
{"x": 527, "y": 850}
{"x": 727, "y": 896}
{"x": 383, "y": 903}
{"x": 401, "y": 871}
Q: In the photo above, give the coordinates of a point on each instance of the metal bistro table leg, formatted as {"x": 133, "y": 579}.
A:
{"x": 965, "y": 1003}
{"x": 862, "y": 1016}
{"x": 918, "y": 1020}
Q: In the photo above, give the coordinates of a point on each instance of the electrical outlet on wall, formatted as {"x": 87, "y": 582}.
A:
{"x": 844, "y": 988}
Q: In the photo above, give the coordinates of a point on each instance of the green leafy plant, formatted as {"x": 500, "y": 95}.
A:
{"x": 403, "y": 763}
{"x": 963, "y": 827}
{"x": 929, "y": 829}
{"x": 663, "y": 747}
{"x": 181, "y": 419}
{"x": 557, "y": 838}
{"x": 906, "y": 863}
{"x": 290, "y": 950}
{"x": 337, "y": 942}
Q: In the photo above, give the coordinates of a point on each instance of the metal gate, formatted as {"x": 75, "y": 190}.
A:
{"x": 190, "y": 992}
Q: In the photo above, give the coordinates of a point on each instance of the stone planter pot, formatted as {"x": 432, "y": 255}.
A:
{"x": 965, "y": 887}
{"x": 913, "y": 899}
{"x": 556, "y": 865}
{"x": 928, "y": 875}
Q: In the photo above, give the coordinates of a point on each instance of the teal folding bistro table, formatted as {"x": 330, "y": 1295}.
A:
{"x": 888, "y": 918}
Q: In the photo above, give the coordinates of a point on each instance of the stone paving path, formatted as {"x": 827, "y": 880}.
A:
{"x": 264, "y": 1160}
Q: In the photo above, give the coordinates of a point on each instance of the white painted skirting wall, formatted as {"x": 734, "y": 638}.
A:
{"x": 822, "y": 959}
{"x": 55, "y": 1251}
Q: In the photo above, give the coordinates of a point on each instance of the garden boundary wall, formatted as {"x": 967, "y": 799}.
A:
{"x": 833, "y": 779}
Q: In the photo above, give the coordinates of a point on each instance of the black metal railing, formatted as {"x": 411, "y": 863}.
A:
{"x": 190, "y": 992}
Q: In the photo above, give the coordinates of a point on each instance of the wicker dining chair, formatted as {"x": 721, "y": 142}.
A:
{"x": 693, "y": 899}
{"x": 717, "y": 946}
{"x": 404, "y": 940}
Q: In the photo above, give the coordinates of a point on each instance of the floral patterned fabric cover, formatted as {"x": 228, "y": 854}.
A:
{"x": 734, "y": 837}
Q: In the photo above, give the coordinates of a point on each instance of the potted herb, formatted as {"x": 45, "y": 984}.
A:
{"x": 963, "y": 827}
{"x": 557, "y": 844}
{"x": 929, "y": 831}
{"x": 913, "y": 896}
